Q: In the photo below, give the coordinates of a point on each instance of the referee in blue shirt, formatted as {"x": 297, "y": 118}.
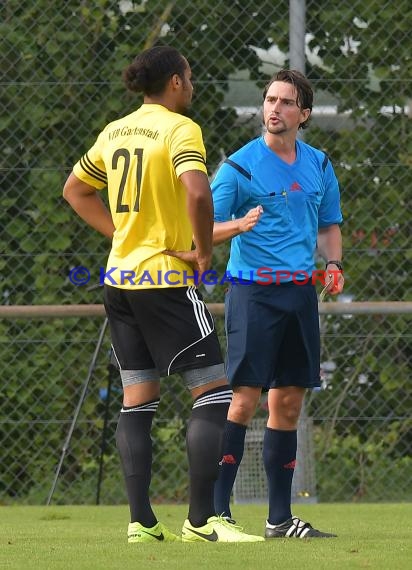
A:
{"x": 277, "y": 199}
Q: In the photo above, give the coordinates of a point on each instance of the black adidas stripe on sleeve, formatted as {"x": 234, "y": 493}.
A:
{"x": 188, "y": 156}
{"x": 92, "y": 170}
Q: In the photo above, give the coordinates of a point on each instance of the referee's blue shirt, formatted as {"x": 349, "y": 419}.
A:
{"x": 297, "y": 199}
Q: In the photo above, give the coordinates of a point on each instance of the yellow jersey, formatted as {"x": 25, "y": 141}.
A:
{"x": 140, "y": 158}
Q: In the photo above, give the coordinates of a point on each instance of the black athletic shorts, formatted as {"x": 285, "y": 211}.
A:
{"x": 169, "y": 329}
{"x": 272, "y": 335}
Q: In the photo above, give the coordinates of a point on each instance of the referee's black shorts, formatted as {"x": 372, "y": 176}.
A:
{"x": 167, "y": 329}
{"x": 272, "y": 335}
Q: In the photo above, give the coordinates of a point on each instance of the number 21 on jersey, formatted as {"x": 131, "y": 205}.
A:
{"x": 123, "y": 153}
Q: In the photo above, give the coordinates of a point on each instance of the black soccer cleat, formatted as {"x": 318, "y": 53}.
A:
{"x": 295, "y": 528}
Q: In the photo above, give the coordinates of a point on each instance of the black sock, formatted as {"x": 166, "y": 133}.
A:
{"x": 233, "y": 448}
{"x": 204, "y": 440}
{"x": 135, "y": 448}
{"x": 279, "y": 458}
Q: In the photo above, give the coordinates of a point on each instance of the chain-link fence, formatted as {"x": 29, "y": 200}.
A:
{"x": 358, "y": 427}
{"x": 61, "y": 66}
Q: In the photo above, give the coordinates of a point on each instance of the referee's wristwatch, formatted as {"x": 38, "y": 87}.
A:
{"x": 334, "y": 262}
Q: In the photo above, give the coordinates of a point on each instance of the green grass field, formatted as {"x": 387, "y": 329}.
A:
{"x": 377, "y": 536}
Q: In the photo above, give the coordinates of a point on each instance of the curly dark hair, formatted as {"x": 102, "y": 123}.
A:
{"x": 150, "y": 70}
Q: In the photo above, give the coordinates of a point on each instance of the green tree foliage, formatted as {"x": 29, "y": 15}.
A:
{"x": 367, "y": 67}
{"x": 369, "y": 71}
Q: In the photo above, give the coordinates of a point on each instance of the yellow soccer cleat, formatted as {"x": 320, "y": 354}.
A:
{"x": 217, "y": 529}
{"x": 157, "y": 533}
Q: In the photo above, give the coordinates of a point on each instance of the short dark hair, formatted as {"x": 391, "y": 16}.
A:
{"x": 150, "y": 70}
{"x": 300, "y": 83}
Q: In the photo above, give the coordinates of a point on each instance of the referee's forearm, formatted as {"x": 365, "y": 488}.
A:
{"x": 222, "y": 231}
{"x": 330, "y": 242}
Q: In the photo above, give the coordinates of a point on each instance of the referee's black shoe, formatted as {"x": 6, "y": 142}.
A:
{"x": 294, "y": 528}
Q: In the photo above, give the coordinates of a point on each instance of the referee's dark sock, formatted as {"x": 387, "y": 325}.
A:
{"x": 135, "y": 448}
{"x": 233, "y": 448}
{"x": 204, "y": 439}
{"x": 279, "y": 458}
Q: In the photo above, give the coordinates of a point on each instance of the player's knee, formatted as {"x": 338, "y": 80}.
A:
{"x": 241, "y": 411}
{"x": 290, "y": 406}
{"x": 286, "y": 412}
{"x": 291, "y": 414}
{"x": 287, "y": 419}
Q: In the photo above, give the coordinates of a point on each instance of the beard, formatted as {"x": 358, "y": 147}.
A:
{"x": 184, "y": 106}
{"x": 277, "y": 129}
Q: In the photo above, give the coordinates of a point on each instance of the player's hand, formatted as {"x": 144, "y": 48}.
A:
{"x": 189, "y": 257}
{"x": 249, "y": 221}
{"x": 335, "y": 278}
{"x": 199, "y": 262}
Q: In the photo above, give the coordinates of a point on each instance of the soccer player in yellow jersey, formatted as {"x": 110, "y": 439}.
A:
{"x": 153, "y": 164}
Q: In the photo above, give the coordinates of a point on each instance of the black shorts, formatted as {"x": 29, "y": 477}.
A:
{"x": 273, "y": 335}
{"x": 170, "y": 330}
